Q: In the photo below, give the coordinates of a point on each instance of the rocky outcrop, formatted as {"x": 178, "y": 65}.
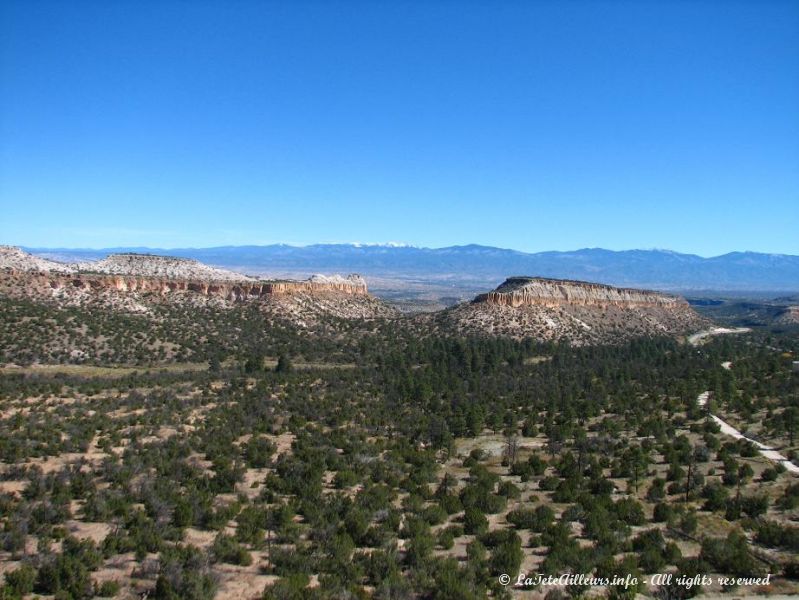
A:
{"x": 236, "y": 291}
{"x": 577, "y": 311}
{"x": 158, "y": 275}
{"x": 553, "y": 293}
{"x": 16, "y": 259}
{"x": 152, "y": 265}
{"x": 789, "y": 316}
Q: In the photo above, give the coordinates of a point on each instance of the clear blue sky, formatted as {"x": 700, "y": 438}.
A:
{"x": 529, "y": 125}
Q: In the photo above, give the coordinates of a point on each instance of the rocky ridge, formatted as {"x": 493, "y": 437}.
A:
{"x": 16, "y": 259}
{"x": 538, "y": 291}
{"x": 136, "y": 282}
{"x": 582, "y": 312}
{"x": 161, "y": 275}
{"x": 151, "y": 265}
{"x": 232, "y": 290}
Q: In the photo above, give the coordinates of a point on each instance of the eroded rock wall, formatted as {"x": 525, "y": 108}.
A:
{"x": 228, "y": 290}
{"x": 554, "y": 293}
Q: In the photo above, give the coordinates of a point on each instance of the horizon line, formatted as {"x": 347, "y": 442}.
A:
{"x": 392, "y": 244}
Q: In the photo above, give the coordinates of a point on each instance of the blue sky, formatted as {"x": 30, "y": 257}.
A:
{"x": 528, "y": 125}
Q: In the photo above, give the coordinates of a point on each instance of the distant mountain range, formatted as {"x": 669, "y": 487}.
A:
{"x": 475, "y": 266}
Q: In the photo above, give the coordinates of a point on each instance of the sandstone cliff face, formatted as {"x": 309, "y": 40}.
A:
{"x": 553, "y": 293}
{"x": 307, "y": 304}
{"x": 159, "y": 275}
{"x": 227, "y": 290}
{"x": 580, "y": 312}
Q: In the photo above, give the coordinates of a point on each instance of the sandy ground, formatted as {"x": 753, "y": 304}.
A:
{"x": 494, "y": 444}
{"x": 253, "y": 480}
{"x": 242, "y": 583}
{"x": 200, "y": 538}
{"x": 282, "y": 442}
{"x": 12, "y": 487}
{"x": 94, "y": 531}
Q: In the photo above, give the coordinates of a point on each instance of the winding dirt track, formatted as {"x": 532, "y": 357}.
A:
{"x": 726, "y": 428}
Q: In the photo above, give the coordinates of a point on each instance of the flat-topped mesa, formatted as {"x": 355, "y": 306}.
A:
{"x": 351, "y": 285}
{"x": 226, "y": 289}
{"x": 577, "y": 311}
{"x": 161, "y": 275}
{"x": 553, "y": 293}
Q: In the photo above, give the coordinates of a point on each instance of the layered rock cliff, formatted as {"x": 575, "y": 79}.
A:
{"x": 577, "y": 311}
{"x": 136, "y": 283}
{"x": 225, "y": 289}
{"x": 161, "y": 275}
{"x": 537, "y": 291}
